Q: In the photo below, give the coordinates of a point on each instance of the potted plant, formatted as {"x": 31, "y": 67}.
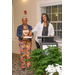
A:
{"x": 40, "y": 59}
{"x": 54, "y": 59}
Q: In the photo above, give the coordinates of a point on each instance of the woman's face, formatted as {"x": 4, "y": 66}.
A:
{"x": 24, "y": 21}
{"x": 44, "y": 18}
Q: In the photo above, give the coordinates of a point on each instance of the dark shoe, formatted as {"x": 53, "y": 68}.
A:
{"x": 23, "y": 69}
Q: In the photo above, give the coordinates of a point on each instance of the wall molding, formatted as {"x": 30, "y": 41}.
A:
{"x": 13, "y": 39}
{"x": 13, "y": 36}
{"x": 15, "y": 54}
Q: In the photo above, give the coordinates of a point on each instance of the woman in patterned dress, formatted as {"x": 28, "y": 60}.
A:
{"x": 24, "y": 44}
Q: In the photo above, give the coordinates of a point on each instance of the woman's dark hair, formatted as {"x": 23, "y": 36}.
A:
{"x": 46, "y": 16}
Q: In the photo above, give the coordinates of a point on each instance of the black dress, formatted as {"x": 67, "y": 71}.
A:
{"x": 45, "y": 31}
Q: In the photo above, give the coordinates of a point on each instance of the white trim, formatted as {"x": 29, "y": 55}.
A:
{"x": 59, "y": 41}
{"x": 52, "y": 4}
{"x": 13, "y": 36}
{"x": 44, "y": 3}
{"x": 13, "y": 39}
{"x": 56, "y": 21}
{"x": 60, "y": 44}
{"x": 15, "y": 52}
{"x": 55, "y": 13}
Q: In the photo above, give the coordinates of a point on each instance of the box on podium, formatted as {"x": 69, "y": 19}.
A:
{"x": 47, "y": 40}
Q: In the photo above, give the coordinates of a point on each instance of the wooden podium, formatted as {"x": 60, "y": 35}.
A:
{"x": 47, "y": 40}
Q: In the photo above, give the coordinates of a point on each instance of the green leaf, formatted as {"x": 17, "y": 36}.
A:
{"x": 35, "y": 74}
{"x": 45, "y": 66}
{"x": 40, "y": 71}
{"x": 56, "y": 73}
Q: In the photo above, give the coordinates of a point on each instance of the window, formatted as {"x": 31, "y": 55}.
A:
{"x": 55, "y": 16}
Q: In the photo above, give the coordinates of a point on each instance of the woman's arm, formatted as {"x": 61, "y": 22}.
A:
{"x": 32, "y": 33}
{"x": 18, "y": 33}
{"x": 36, "y": 28}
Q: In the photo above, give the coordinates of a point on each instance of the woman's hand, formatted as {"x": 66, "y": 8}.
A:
{"x": 31, "y": 36}
{"x": 49, "y": 35}
{"x": 22, "y": 36}
{"x": 30, "y": 33}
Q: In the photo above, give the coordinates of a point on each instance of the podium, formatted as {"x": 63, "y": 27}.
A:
{"x": 47, "y": 40}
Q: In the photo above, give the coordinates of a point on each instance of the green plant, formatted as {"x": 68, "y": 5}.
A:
{"x": 40, "y": 60}
{"x": 54, "y": 55}
{"x": 56, "y": 73}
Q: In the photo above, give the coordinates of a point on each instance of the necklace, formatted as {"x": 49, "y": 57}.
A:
{"x": 25, "y": 27}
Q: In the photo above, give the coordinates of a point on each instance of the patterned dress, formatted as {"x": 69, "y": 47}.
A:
{"x": 25, "y": 49}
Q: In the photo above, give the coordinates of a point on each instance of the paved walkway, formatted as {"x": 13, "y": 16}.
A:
{"x": 16, "y": 66}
